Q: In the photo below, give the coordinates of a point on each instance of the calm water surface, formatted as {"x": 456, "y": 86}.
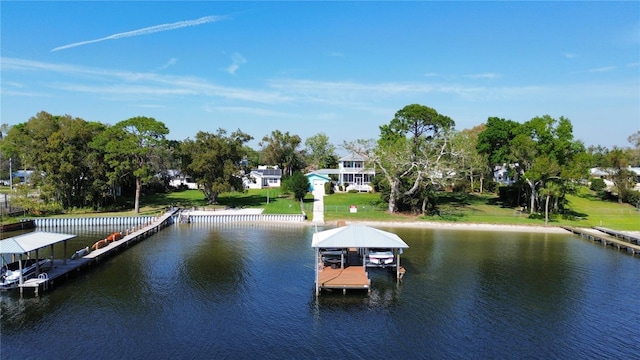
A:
{"x": 246, "y": 291}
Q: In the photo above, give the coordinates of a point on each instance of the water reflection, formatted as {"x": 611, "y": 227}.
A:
{"x": 242, "y": 290}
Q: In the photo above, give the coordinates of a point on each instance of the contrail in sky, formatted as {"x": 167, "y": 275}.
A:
{"x": 147, "y": 31}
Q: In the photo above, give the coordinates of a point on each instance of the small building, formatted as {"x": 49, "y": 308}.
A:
{"x": 343, "y": 254}
{"x": 317, "y": 180}
{"x": 264, "y": 177}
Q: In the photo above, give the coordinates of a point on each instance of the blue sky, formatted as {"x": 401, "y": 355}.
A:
{"x": 342, "y": 68}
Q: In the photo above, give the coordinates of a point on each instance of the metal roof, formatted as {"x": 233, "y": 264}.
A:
{"x": 353, "y": 157}
{"x": 358, "y": 236}
{"x": 25, "y": 243}
{"x": 267, "y": 172}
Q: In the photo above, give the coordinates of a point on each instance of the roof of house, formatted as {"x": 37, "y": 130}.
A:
{"x": 326, "y": 172}
{"x": 319, "y": 175}
{"x": 25, "y": 243}
{"x": 358, "y": 236}
{"x": 267, "y": 172}
{"x": 353, "y": 157}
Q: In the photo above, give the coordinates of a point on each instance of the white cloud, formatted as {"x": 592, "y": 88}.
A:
{"x": 602, "y": 69}
{"x": 168, "y": 64}
{"x": 236, "y": 61}
{"x": 570, "y": 55}
{"x": 245, "y": 110}
{"x": 489, "y": 76}
{"x": 145, "y": 31}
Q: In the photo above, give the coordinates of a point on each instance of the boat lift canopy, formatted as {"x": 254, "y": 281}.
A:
{"x": 357, "y": 236}
{"x": 25, "y": 243}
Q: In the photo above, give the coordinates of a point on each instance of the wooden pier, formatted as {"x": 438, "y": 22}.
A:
{"x": 607, "y": 237}
{"x": 634, "y": 239}
{"x": 62, "y": 268}
{"x": 352, "y": 277}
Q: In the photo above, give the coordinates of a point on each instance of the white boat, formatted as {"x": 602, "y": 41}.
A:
{"x": 10, "y": 273}
{"x": 80, "y": 253}
{"x": 381, "y": 256}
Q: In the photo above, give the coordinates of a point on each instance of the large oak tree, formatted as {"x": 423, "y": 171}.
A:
{"x": 131, "y": 147}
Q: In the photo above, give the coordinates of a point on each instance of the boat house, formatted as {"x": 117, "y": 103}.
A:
{"x": 343, "y": 254}
{"x": 17, "y": 271}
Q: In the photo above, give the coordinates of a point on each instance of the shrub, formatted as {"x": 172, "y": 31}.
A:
{"x": 597, "y": 185}
{"x": 632, "y": 197}
{"x": 328, "y": 187}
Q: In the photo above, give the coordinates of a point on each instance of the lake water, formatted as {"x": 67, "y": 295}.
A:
{"x": 247, "y": 291}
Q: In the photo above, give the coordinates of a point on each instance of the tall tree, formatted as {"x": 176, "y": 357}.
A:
{"x": 281, "y": 149}
{"x": 495, "y": 141}
{"x": 214, "y": 161}
{"x": 414, "y": 148}
{"x": 618, "y": 160}
{"x": 321, "y": 154}
{"x": 57, "y": 146}
{"x": 472, "y": 163}
{"x": 634, "y": 156}
{"x": 132, "y": 147}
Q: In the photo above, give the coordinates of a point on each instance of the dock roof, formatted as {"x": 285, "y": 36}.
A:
{"x": 25, "y": 243}
{"x": 358, "y": 236}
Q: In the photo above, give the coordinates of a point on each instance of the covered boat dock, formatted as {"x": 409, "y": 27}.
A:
{"x": 343, "y": 254}
{"x": 20, "y": 248}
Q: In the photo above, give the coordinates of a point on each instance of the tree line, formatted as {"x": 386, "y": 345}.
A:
{"x": 80, "y": 164}
{"x": 419, "y": 153}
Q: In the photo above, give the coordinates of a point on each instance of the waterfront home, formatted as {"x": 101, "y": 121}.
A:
{"x": 179, "y": 180}
{"x": 351, "y": 174}
{"x": 263, "y": 177}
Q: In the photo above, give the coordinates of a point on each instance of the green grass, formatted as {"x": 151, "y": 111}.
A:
{"x": 585, "y": 210}
{"x": 270, "y": 199}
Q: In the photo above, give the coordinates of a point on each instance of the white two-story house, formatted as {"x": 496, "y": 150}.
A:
{"x": 353, "y": 174}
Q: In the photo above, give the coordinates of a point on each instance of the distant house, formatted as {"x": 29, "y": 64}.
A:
{"x": 263, "y": 177}
{"x": 178, "y": 179}
{"x": 22, "y": 176}
{"x": 317, "y": 180}
{"x": 501, "y": 175}
{"x": 606, "y": 174}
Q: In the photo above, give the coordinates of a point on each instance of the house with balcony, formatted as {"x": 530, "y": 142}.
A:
{"x": 351, "y": 174}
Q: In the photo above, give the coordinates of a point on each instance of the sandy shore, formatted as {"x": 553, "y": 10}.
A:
{"x": 407, "y": 224}
{"x": 463, "y": 226}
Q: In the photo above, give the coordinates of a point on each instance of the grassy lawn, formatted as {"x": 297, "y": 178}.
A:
{"x": 585, "y": 210}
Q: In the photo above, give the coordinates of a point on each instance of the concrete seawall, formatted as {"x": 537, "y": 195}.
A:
{"x": 182, "y": 217}
{"x": 125, "y": 221}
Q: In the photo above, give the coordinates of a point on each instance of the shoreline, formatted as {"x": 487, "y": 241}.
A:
{"x": 465, "y": 226}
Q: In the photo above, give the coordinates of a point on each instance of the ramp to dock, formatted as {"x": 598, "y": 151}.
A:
{"x": 604, "y": 238}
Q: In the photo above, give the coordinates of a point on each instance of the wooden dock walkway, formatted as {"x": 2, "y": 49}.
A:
{"x": 634, "y": 239}
{"x": 352, "y": 277}
{"x": 62, "y": 268}
{"x": 604, "y": 237}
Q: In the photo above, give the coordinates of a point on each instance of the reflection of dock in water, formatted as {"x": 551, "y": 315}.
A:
{"x": 62, "y": 268}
